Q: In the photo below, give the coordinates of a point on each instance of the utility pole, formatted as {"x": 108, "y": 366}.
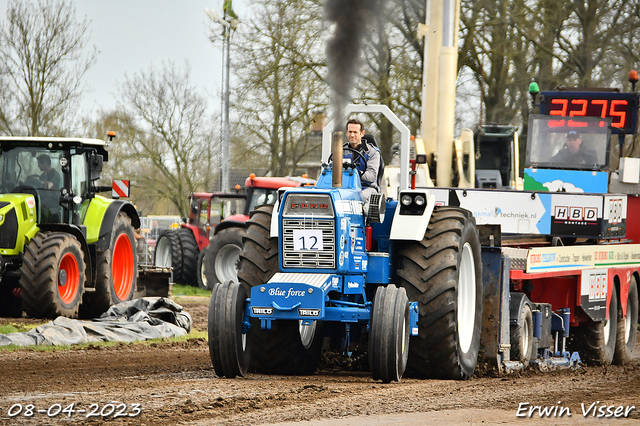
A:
{"x": 228, "y": 23}
{"x": 225, "y": 115}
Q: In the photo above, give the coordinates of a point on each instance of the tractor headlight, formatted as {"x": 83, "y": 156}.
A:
{"x": 413, "y": 203}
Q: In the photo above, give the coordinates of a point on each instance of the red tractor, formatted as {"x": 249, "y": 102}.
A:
{"x": 205, "y": 248}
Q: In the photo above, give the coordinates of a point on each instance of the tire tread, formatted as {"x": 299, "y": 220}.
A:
{"x": 428, "y": 270}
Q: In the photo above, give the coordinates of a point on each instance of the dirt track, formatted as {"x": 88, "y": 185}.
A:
{"x": 174, "y": 383}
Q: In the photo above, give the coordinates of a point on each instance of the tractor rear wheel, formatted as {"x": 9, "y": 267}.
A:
{"x": 52, "y": 276}
{"x": 443, "y": 273}
{"x": 627, "y": 327}
{"x": 223, "y": 254}
{"x": 289, "y": 347}
{"x": 227, "y": 343}
{"x": 168, "y": 253}
{"x": 389, "y": 334}
{"x": 596, "y": 341}
{"x": 116, "y": 271}
{"x": 190, "y": 253}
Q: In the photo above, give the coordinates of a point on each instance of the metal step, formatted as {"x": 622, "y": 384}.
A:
{"x": 517, "y": 257}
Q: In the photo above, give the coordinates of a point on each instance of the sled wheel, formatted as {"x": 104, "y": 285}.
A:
{"x": 203, "y": 282}
{"x": 389, "y": 334}
{"x": 596, "y": 341}
{"x": 288, "y": 348}
{"x": 52, "y": 276}
{"x": 443, "y": 274}
{"x": 627, "y": 326}
{"x": 168, "y": 253}
{"x": 522, "y": 337}
{"x": 116, "y": 271}
{"x": 228, "y": 347}
{"x": 223, "y": 255}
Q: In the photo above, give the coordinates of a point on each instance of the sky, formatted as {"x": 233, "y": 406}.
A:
{"x": 132, "y": 35}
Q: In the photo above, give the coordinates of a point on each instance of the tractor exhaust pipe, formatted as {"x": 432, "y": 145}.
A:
{"x": 336, "y": 150}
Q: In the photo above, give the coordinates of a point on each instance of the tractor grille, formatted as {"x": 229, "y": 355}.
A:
{"x": 9, "y": 230}
{"x": 323, "y": 258}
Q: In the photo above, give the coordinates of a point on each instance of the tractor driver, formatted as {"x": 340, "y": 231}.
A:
{"x": 369, "y": 168}
{"x": 49, "y": 177}
{"x": 573, "y": 152}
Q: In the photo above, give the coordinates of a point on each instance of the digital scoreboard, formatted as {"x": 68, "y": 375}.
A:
{"x": 621, "y": 108}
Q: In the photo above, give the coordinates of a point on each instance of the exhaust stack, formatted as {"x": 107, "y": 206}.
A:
{"x": 336, "y": 151}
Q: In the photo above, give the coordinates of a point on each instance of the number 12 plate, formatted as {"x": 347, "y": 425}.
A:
{"x": 307, "y": 239}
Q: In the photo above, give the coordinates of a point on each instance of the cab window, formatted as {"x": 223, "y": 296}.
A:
{"x": 79, "y": 175}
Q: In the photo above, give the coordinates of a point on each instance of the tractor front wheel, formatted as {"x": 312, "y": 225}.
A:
{"x": 227, "y": 340}
{"x": 389, "y": 334}
{"x": 443, "y": 274}
{"x": 203, "y": 281}
{"x": 52, "y": 276}
{"x": 289, "y": 347}
{"x": 168, "y": 253}
{"x": 116, "y": 271}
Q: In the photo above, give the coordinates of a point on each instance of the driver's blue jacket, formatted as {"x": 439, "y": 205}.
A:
{"x": 369, "y": 170}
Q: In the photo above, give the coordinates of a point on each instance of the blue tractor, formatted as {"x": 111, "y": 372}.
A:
{"x": 399, "y": 277}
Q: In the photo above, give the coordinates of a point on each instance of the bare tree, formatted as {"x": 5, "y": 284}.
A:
{"x": 278, "y": 62}
{"x": 42, "y": 62}
{"x": 123, "y": 161}
{"x": 504, "y": 45}
{"x": 176, "y": 138}
{"x": 377, "y": 82}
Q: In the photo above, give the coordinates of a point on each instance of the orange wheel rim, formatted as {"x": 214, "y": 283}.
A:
{"x": 122, "y": 267}
{"x": 68, "y": 278}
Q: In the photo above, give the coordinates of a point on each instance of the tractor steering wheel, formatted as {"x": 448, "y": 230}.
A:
{"x": 33, "y": 180}
{"x": 357, "y": 155}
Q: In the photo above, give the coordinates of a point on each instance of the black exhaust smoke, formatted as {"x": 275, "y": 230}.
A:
{"x": 353, "y": 19}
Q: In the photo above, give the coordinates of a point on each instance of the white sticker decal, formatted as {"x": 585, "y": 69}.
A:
{"x": 307, "y": 239}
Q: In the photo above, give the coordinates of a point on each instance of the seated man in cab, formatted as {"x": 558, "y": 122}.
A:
{"x": 573, "y": 151}
{"x": 368, "y": 163}
{"x": 50, "y": 178}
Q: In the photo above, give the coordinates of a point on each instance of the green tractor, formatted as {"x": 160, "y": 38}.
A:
{"x": 64, "y": 250}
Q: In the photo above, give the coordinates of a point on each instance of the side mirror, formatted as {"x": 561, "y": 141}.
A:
{"x": 95, "y": 166}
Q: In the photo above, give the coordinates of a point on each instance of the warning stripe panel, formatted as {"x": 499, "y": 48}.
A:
{"x": 120, "y": 188}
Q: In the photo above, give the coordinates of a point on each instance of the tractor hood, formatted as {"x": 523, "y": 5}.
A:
{"x": 17, "y": 222}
